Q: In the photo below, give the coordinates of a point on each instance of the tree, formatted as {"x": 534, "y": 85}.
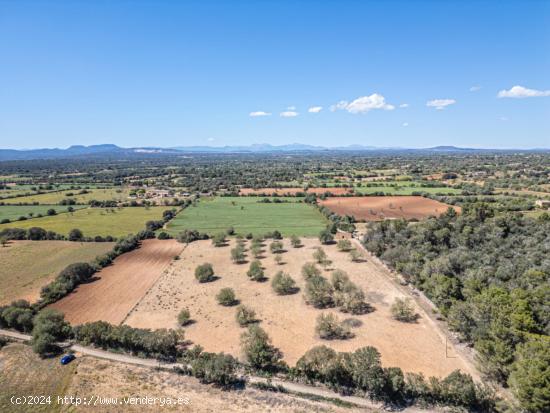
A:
{"x": 295, "y": 241}
{"x": 344, "y": 245}
{"x": 226, "y": 297}
{"x": 215, "y": 368}
{"x": 403, "y": 310}
{"x": 276, "y": 247}
{"x": 256, "y": 250}
{"x": 283, "y": 284}
{"x": 326, "y": 237}
{"x": 530, "y": 377}
{"x": 237, "y": 254}
{"x": 51, "y": 212}
{"x": 75, "y": 235}
{"x": 204, "y": 273}
{"x": 328, "y": 327}
{"x": 320, "y": 256}
{"x": 184, "y": 317}
{"x": 278, "y": 259}
{"x": 355, "y": 255}
{"x": 319, "y": 292}
{"x": 255, "y": 271}
{"x": 309, "y": 269}
{"x": 4, "y": 241}
{"x": 258, "y": 350}
{"x": 49, "y": 327}
{"x": 245, "y": 316}
{"x": 367, "y": 371}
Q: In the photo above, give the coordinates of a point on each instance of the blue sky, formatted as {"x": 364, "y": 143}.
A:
{"x": 177, "y": 73}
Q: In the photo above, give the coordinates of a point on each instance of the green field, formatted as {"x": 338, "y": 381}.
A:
{"x": 95, "y": 221}
{"x": 248, "y": 215}
{"x": 50, "y": 198}
{"x": 13, "y": 212}
{"x": 28, "y": 265}
{"x": 406, "y": 188}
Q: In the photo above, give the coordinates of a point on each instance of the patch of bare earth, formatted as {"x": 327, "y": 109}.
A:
{"x": 294, "y": 191}
{"x": 119, "y": 287}
{"x": 377, "y": 208}
{"x": 289, "y": 321}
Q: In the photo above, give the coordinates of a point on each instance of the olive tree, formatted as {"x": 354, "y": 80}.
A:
{"x": 204, "y": 273}
{"x": 283, "y": 284}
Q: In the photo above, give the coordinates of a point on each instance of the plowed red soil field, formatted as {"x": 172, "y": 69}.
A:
{"x": 293, "y": 191}
{"x": 119, "y": 287}
{"x": 377, "y": 208}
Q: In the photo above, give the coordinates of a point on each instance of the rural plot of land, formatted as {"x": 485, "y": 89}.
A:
{"x": 116, "y": 222}
{"x": 26, "y": 266}
{"x": 119, "y": 287}
{"x": 289, "y": 321}
{"x": 293, "y": 191}
{"x": 105, "y": 194}
{"x": 249, "y": 215}
{"x": 377, "y": 208}
{"x": 14, "y": 212}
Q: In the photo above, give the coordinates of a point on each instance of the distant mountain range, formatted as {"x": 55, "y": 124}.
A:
{"x": 114, "y": 151}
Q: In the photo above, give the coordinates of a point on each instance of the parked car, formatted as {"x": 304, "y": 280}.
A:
{"x": 66, "y": 359}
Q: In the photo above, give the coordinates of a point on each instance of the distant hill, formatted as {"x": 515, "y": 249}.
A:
{"x": 110, "y": 150}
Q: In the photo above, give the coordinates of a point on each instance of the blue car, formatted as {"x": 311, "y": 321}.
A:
{"x": 67, "y": 359}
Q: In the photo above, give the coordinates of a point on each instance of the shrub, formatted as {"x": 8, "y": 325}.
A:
{"x": 256, "y": 250}
{"x": 258, "y": 350}
{"x": 403, "y": 310}
{"x": 163, "y": 235}
{"x": 278, "y": 259}
{"x": 295, "y": 241}
{"x": 330, "y": 328}
{"x": 255, "y": 271}
{"x": 320, "y": 256}
{"x": 283, "y": 284}
{"x": 75, "y": 235}
{"x": 218, "y": 240}
{"x": 309, "y": 269}
{"x": 355, "y": 255}
{"x": 319, "y": 292}
{"x": 184, "y": 317}
{"x": 326, "y": 237}
{"x": 276, "y": 247}
{"x": 204, "y": 273}
{"x": 245, "y": 316}
{"x": 215, "y": 368}
{"x": 237, "y": 254}
{"x": 226, "y": 297}
{"x": 18, "y": 315}
{"x": 344, "y": 245}
{"x": 189, "y": 235}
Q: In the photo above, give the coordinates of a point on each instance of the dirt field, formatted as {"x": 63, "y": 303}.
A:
{"x": 294, "y": 191}
{"x": 287, "y": 319}
{"x": 377, "y": 208}
{"x": 119, "y": 287}
{"x": 26, "y": 266}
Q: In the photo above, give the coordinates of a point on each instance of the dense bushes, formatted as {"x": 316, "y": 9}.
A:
{"x": 162, "y": 344}
{"x": 319, "y": 292}
{"x": 18, "y": 315}
{"x": 215, "y": 368}
{"x": 283, "y": 284}
{"x": 328, "y": 327}
{"x": 258, "y": 350}
{"x": 226, "y": 297}
{"x": 190, "y": 235}
{"x": 204, "y": 273}
{"x": 245, "y": 316}
{"x": 66, "y": 281}
{"x": 255, "y": 272}
{"x": 403, "y": 310}
{"x": 49, "y": 328}
{"x": 489, "y": 275}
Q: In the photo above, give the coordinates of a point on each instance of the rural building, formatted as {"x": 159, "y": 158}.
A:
{"x": 342, "y": 235}
{"x": 543, "y": 203}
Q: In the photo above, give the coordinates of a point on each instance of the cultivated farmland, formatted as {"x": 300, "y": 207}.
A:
{"x": 377, "y": 208}
{"x": 26, "y": 266}
{"x": 106, "y": 194}
{"x": 288, "y": 320}
{"x": 293, "y": 191}
{"x": 119, "y": 287}
{"x": 249, "y": 215}
{"x": 14, "y": 212}
{"x": 95, "y": 221}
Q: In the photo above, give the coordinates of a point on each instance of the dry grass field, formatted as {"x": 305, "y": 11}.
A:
{"x": 378, "y": 208}
{"x": 26, "y": 266}
{"x": 289, "y": 321}
{"x": 119, "y": 287}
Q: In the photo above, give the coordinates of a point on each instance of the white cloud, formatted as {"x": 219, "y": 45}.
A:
{"x": 315, "y": 109}
{"x": 258, "y": 114}
{"x": 291, "y": 108}
{"x": 440, "y": 104}
{"x": 405, "y": 124}
{"x": 404, "y": 105}
{"x": 210, "y": 139}
{"x": 363, "y": 104}
{"x": 520, "y": 92}
{"x": 289, "y": 114}
{"x": 475, "y": 88}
